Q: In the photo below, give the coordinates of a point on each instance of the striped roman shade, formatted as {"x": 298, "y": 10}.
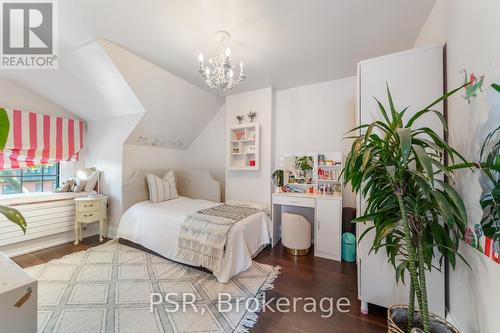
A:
{"x": 35, "y": 139}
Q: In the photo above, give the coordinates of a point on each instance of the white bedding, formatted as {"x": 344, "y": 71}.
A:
{"x": 156, "y": 226}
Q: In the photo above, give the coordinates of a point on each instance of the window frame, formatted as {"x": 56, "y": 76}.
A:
{"x": 41, "y": 177}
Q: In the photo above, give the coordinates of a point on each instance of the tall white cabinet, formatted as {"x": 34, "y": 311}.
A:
{"x": 415, "y": 78}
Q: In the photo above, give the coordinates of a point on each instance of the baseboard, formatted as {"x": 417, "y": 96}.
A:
{"x": 42, "y": 243}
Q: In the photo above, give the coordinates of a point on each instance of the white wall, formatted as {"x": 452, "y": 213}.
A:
{"x": 471, "y": 31}
{"x": 208, "y": 150}
{"x": 146, "y": 157}
{"x": 252, "y": 186}
{"x": 314, "y": 118}
{"x": 16, "y": 96}
{"x": 105, "y": 140}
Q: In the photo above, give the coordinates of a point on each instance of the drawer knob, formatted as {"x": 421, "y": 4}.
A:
{"x": 87, "y": 215}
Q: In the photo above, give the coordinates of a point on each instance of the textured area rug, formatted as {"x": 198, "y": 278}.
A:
{"x": 108, "y": 289}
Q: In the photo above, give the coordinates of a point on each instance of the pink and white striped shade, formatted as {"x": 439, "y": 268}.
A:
{"x": 36, "y": 139}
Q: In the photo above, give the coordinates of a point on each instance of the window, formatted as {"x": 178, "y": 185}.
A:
{"x": 37, "y": 179}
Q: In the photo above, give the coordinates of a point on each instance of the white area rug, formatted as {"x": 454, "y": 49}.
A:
{"x": 108, "y": 289}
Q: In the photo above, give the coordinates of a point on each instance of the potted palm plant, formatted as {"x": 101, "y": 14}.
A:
{"x": 10, "y": 213}
{"x": 416, "y": 214}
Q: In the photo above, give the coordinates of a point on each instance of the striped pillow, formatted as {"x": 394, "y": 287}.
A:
{"x": 161, "y": 189}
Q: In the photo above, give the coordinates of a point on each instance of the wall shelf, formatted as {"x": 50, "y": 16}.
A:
{"x": 244, "y": 150}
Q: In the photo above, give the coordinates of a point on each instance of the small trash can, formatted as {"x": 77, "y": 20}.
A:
{"x": 348, "y": 247}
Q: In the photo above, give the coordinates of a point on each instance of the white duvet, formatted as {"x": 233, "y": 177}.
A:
{"x": 156, "y": 226}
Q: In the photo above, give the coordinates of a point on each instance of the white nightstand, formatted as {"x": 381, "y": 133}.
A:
{"x": 90, "y": 210}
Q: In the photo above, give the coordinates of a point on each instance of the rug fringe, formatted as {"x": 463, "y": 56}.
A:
{"x": 250, "y": 318}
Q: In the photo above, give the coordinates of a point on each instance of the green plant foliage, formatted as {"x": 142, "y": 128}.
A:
{"x": 10, "y": 213}
{"x": 14, "y": 216}
{"x": 304, "y": 163}
{"x": 4, "y": 128}
{"x": 490, "y": 198}
{"x": 416, "y": 215}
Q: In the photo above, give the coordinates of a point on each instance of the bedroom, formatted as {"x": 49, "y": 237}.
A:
{"x": 156, "y": 190}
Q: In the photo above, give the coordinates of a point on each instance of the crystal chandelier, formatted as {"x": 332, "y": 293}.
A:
{"x": 220, "y": 72}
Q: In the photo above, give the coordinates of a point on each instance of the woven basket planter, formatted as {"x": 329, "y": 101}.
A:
{"x": 397, "y": 317}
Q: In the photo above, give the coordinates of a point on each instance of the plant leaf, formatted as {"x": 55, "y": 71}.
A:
{"x": 4, "y": 128}
{"x": 425, "y": 160}
{"x": 455, "y": 197}
{"x": 391, "y": 103}
{"x": 14, "y": 216}
{"x": 405, "y": 142}
{"x": 496, "y": 87}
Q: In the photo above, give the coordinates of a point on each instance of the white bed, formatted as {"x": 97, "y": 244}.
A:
{"x": 156, "y": 226}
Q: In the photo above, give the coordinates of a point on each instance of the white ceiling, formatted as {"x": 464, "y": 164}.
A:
{"x": 284, "y": 43}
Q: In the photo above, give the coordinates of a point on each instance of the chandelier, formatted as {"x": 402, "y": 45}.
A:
{"x": 220, "y": 72}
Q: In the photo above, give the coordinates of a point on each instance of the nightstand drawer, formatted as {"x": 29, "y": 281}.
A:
{"x": 294, "y": 201}
{"x": 88, "y": 205}
{"x": 88, "y": 216}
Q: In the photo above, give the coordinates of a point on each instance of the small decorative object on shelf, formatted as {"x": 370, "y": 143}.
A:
{"x": 244, "y": 147}
{"x": 318, "y": 173}
{"x": 252, "y": 115}
{"x": 321, "y": 159}
{"x": 240, "y": 118}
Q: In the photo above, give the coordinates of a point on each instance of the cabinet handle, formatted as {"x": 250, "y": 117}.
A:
{"x": 89, "y": 215}
{"x": 318, "y": 225}
{"x": 24, "y": 299}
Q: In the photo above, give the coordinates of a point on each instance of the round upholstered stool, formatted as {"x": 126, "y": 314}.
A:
{"x": 295, "y": 234}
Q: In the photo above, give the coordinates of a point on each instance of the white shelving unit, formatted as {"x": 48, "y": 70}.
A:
{"x": 244, "y": 149}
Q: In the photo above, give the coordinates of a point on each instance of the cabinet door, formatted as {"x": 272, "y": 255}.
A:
{"x": 328, "y": 226}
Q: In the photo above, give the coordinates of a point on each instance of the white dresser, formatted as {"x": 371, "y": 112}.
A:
{"x": 323, "y": 211}
{"x": 18, "y": 298}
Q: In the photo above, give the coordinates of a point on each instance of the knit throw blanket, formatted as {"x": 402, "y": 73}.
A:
{"x": 203, "y": 234}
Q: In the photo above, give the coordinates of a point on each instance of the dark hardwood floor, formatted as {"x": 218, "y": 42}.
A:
{"x": 307, "y": 276}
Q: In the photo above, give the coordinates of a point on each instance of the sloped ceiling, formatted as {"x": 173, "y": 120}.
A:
{"x": 283, "y": 43}
{"x": 175, "y": 110}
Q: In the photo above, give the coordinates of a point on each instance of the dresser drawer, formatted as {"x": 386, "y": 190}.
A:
{"x": 294, "y": 201}
{"x": 88, "y": 216}
{"x": 89, "y": 205}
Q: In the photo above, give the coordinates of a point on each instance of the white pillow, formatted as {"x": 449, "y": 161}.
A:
{"x": 161, "y": 189}
{"x": 170, "y": 178}
{"x": 91, "y": 181}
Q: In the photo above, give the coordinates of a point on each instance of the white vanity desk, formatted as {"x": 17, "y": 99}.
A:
{"x": 327, "y": 225}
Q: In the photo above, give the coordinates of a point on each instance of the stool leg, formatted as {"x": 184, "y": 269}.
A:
{"x": 364, "y": 307}
{"x": 77, "y": 237}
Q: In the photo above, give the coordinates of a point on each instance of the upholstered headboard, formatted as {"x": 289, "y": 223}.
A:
{"x": 191, "y": 183}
